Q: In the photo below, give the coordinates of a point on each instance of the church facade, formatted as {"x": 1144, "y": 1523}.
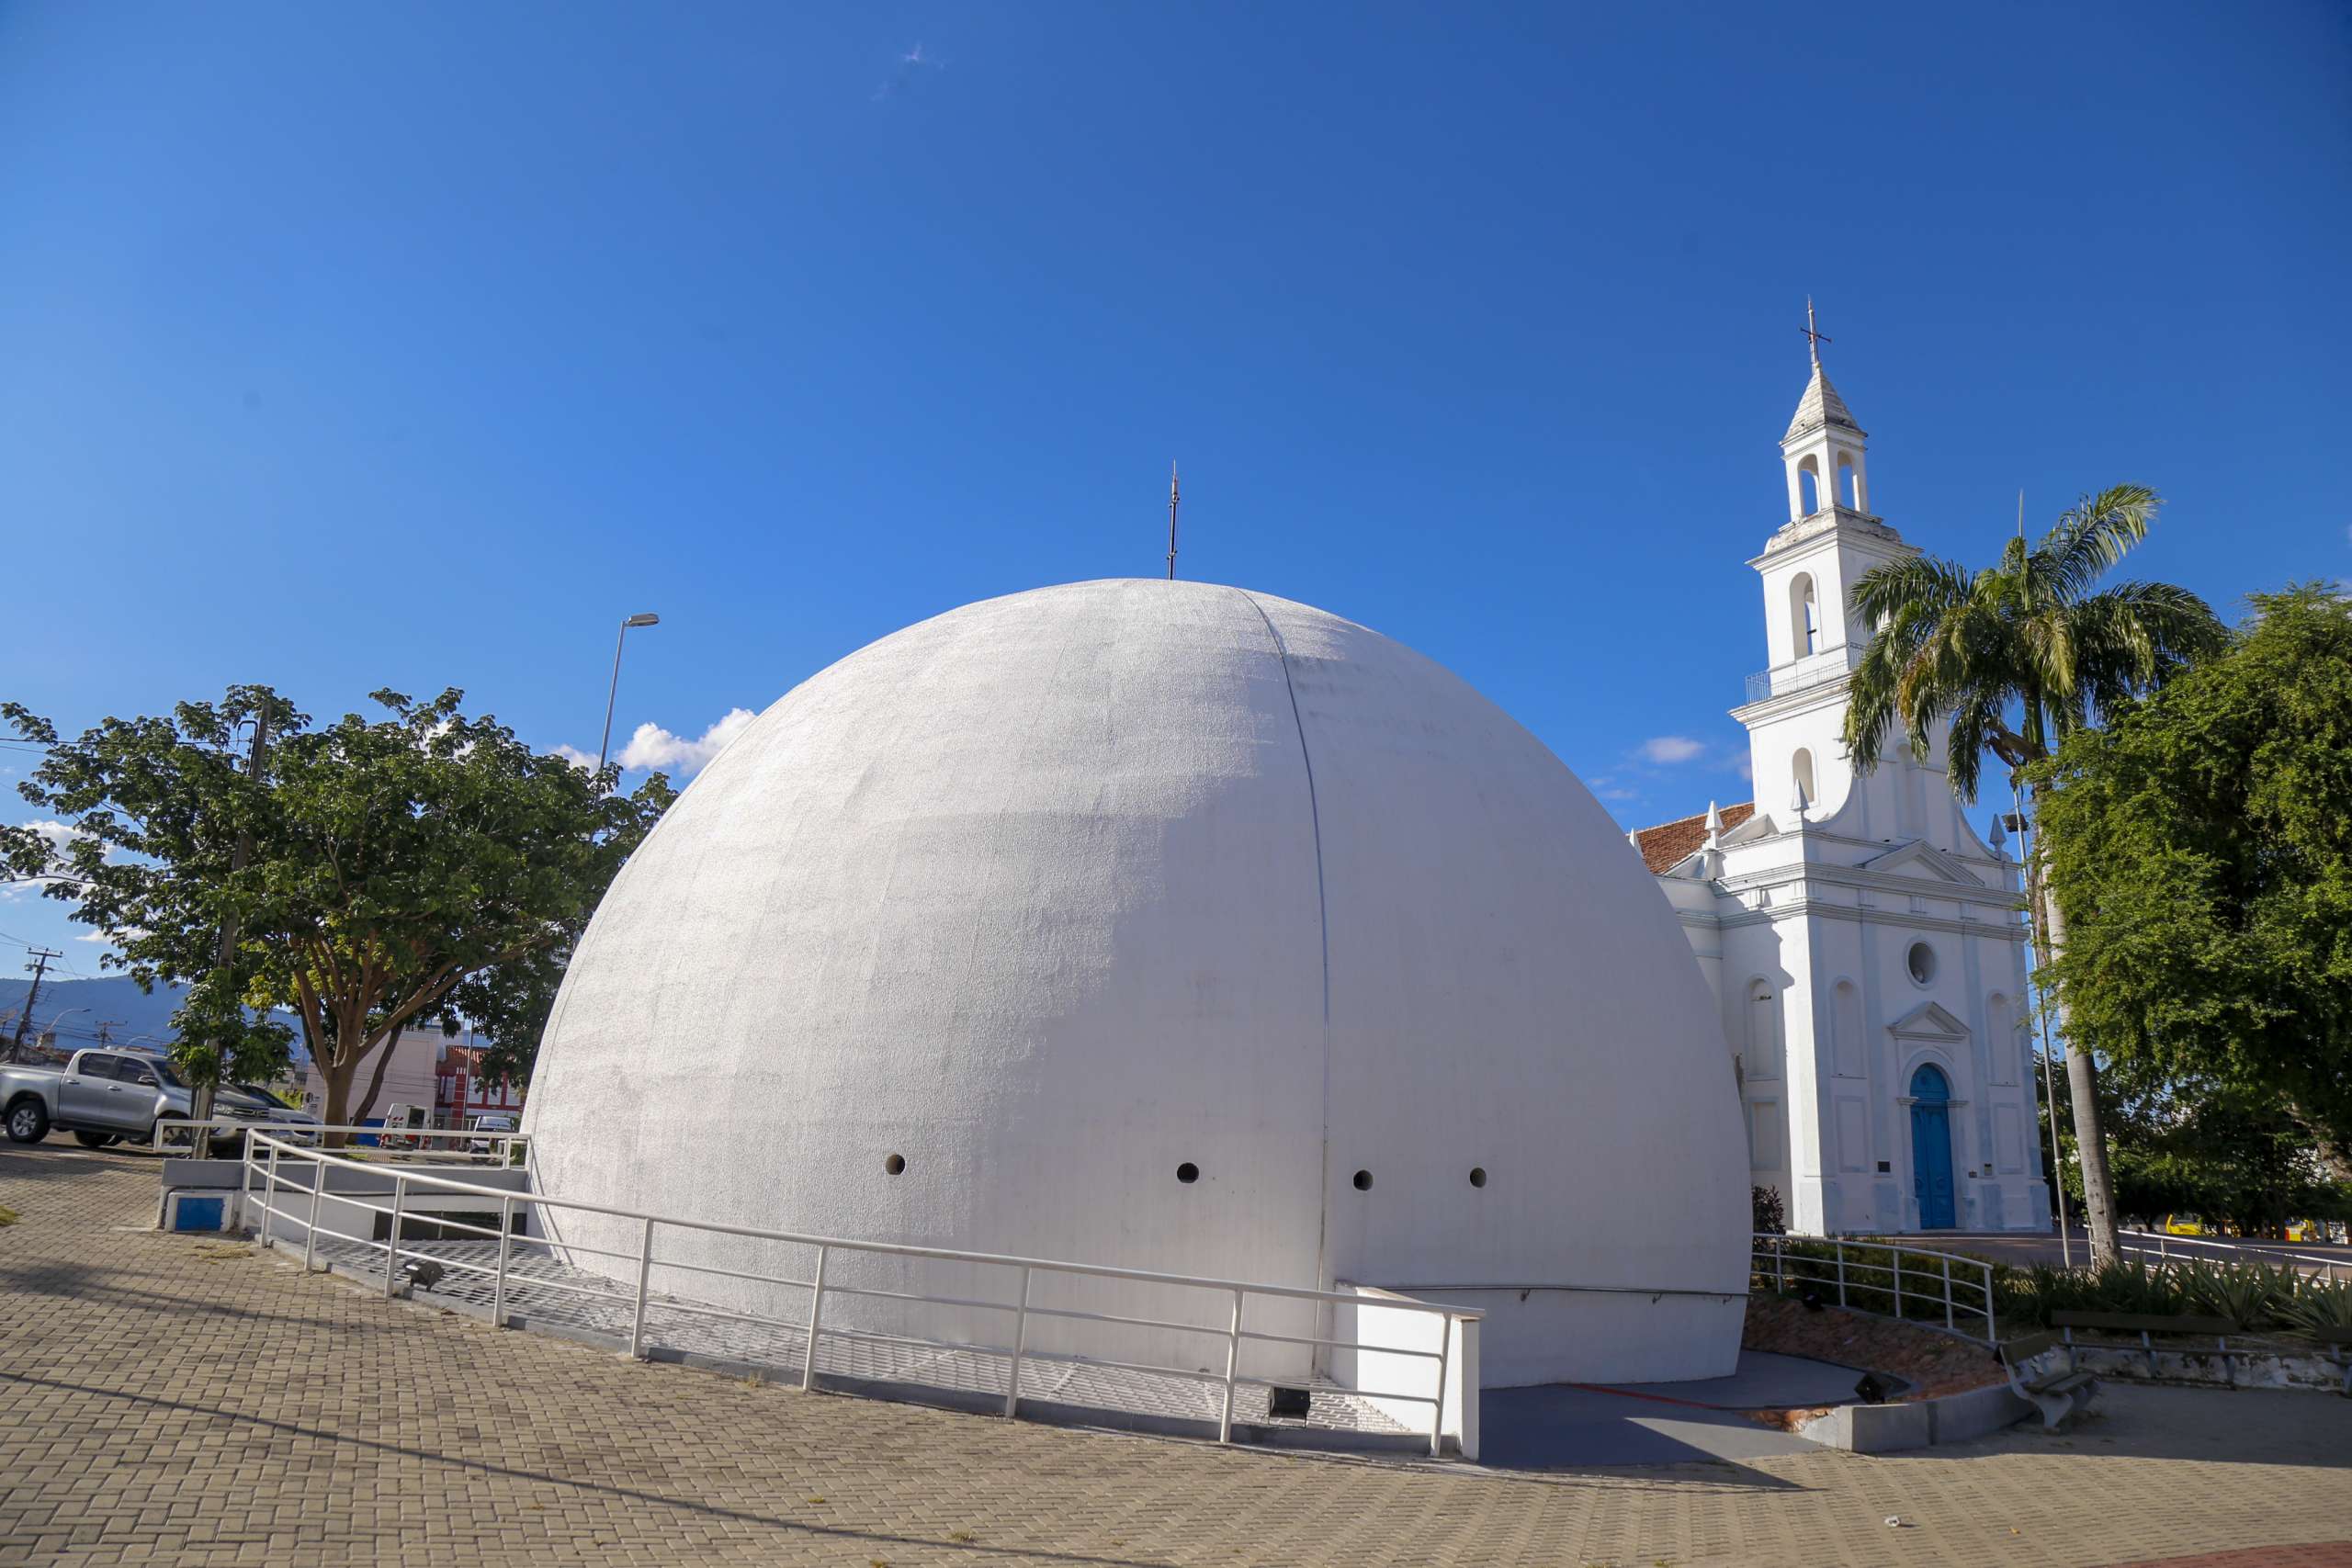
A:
{"x": 1865, "y": 946}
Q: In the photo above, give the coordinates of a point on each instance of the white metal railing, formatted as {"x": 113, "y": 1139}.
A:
{"x": 1944, "y": 1283}
{"x": 2167, "y": 1249}
{"x": 399, "y": 1142}
{"x": 266, "y": 1158}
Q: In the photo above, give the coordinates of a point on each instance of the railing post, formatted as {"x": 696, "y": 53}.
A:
{"x": 498, "y": 1289}
{"x": 1948, "y": 1322}
{"x": 245, "y": 1185}
{"x": 269, "y": 1199}
{"x": 1020, "y": 1343}
{"x": 311, "y": 1230}
{"x": 1841, "y": 1275}
{"x": 644, "y": 1273}
{"x": 1232, "y": 1365}
{"x": 1437, "y": 1415}
{"x": 816, "y": 1319}
{"x": 1897, "y": 1255}
{"x": 392, "y": 1241}
{"x": 1992, "y": 1330}
{"x": 1781, "y": 1261}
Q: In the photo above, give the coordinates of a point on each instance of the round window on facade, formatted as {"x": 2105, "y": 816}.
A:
{"x": 1188, "y": 1173}
{"x": 1921, "y": 963}
{"x": 1478, "y": 1176}
{"x": 894, "y": 1163}
{"x": 1363, "y": 1181}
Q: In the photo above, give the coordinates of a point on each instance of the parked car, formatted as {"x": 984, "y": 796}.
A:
{"x": 489, "y": 1127}
{"x": 105, "y": 1097}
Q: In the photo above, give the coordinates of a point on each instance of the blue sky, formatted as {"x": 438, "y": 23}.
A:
{"x": 414, "y": 346}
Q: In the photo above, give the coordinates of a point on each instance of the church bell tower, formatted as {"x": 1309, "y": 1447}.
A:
{"x": 1796, "y": 707}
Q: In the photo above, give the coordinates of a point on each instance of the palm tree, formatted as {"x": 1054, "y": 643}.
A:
{"x": 2015, "y": 657}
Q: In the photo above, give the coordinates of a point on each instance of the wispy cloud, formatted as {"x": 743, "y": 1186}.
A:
{"x": 1665, "y": 749}
{"x": 654, "y": 747}
{"x": 906, "y": 72}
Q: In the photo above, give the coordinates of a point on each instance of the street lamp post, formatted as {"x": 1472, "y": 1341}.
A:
{"x": 51, "y": 1032}
{"x": 614, "y": 690}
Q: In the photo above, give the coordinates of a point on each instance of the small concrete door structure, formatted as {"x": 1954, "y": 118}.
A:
{"x": 1931, "y": 1147}
{"x": 1163, "y": 926}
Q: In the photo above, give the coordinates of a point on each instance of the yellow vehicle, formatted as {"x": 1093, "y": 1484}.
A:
{"x": 2183, "y": 1224}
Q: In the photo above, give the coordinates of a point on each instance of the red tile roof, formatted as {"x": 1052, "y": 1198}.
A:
{"x": 1668, "y": 843}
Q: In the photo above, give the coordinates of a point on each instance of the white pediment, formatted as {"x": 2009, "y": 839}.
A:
{"x": 1920, "y": 858}
{"x": 1928, "y": 1021}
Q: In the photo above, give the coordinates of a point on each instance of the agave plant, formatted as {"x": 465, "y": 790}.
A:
{"x": 2247, "y": 1294}
{"x": 2317, "y": 1304}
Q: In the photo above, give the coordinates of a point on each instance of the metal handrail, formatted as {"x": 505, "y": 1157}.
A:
{"x": 1937, "y": 1272}
{"x": 1782, "y": 679}
{"x": 2239, "y": 1249}
{"x": 279, "y": 1151}
{"x": 504, "y": 1143}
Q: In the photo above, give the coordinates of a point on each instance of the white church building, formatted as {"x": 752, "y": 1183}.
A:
{"x": 1864, "y": 945}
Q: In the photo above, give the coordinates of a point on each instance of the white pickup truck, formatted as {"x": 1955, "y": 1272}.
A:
{"x": 104, "y": 1096}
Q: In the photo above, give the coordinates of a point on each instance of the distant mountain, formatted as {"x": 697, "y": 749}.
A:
{"x": 74, "y": 1008}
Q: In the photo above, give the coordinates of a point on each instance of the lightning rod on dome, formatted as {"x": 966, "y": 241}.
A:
{"x": 1171, "y": 520}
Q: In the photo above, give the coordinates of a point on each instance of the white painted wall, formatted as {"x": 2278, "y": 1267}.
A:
{"x": 1055, "y": 892}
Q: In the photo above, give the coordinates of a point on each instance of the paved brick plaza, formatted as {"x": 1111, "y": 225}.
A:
{"x": 166, "y": 1399}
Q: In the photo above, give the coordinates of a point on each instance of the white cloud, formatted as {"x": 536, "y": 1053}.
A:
{"x": 577, "y": 757}
{"x": 1671, "y": 748}
{"x": 99, "y": 937}
{"x": 654, "y": 747}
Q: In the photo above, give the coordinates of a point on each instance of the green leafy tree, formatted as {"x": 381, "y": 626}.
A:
{"x": 2201, "y": 849}
{"x": 375, "y": 874}
{"x": 2227, "y": 1154}
{"x": 24, "y": 854}
{"x": 2015, "y": 657}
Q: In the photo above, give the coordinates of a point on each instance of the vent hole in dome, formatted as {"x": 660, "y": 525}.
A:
{"x": 1188, "y": 1173}
{"x": 894, "y": 1163}
{"x": 1363, "y": 1181}
{"x": 1478, "y": 1176}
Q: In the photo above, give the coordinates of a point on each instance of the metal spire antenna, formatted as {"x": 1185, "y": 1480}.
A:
{"x": 1813, "y": 339}
{"x": 1172, "y": 522}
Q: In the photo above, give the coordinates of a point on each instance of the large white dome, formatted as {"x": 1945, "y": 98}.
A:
{"x": 1056, "y": 893}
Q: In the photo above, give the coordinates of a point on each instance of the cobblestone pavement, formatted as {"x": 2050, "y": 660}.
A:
{"x": 173, "y": 1398}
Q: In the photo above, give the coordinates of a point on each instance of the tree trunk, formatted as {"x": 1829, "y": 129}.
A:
{"x": 2082, "y": 1081}
{"x": 338, "y": 1077}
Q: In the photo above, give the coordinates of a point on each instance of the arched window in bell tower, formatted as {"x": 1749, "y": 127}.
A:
{"x": 1850, "y": 483}
{"x": 1801, "y": 766}
{"x": 1811, "y": 486}
{"x": 1805, "y": 616}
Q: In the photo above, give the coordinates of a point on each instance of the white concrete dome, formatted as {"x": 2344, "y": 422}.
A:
{"x": 1049, "y": 898}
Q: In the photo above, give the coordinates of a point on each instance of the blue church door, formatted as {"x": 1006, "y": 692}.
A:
{"x": 1931, "y": 1147}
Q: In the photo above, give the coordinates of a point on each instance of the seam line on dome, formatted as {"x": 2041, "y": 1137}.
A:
{"x": 1322, "y": 922}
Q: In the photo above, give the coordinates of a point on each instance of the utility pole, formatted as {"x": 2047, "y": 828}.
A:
{"x": 106, "y": 1029}
{"x": 200, "y": 1094}
{"x": 40, "y": 966}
